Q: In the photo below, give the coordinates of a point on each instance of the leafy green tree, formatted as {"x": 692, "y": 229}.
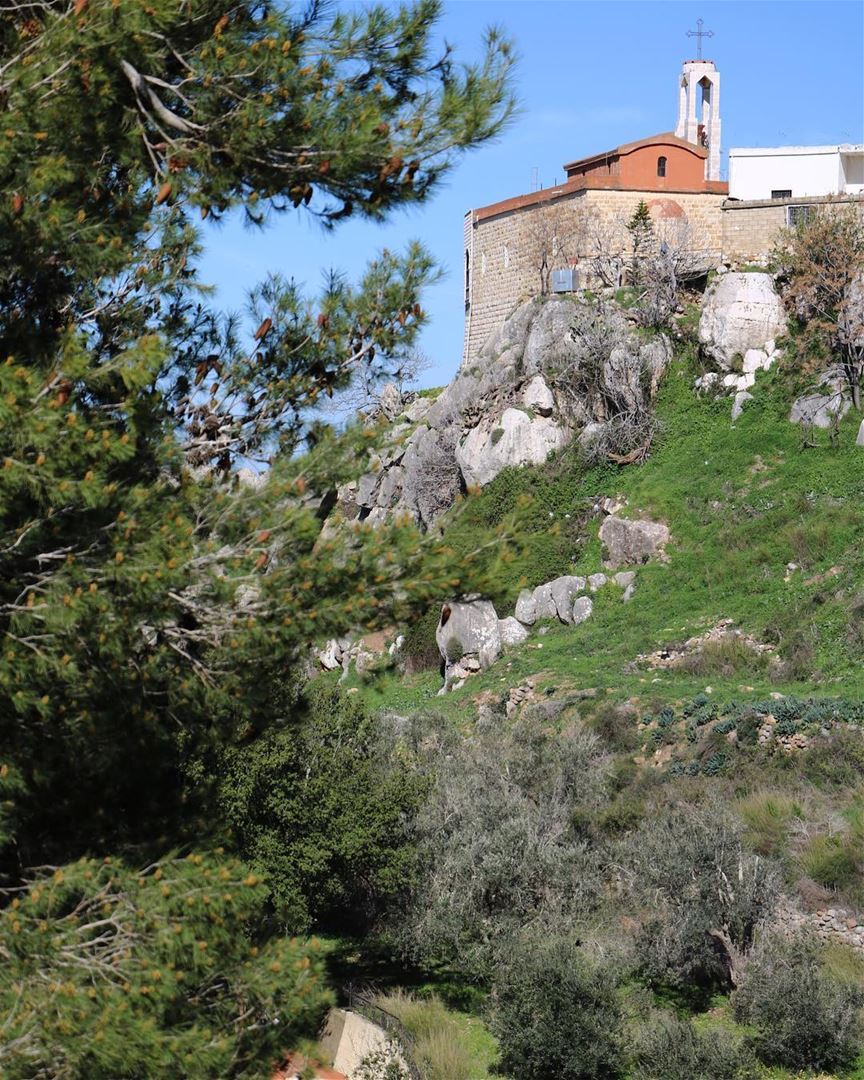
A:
{"x": 144, "y": 599}
{"x": 111, "y": 972}
{"x": 325, "y": 808}
{"x": 702, "y": 893}
{"x": 804, "y": 1018}
{"x": 499, "y": 843}
{"x": 555, "y": 1014}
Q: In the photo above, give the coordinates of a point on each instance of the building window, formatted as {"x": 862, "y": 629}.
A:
{"x": 661, "y": 166}
{"x": 467, "y": 280}
{"x": 781, "y": 193}
{"x": 506, "y": 257}
{"x": 798, "y": 215}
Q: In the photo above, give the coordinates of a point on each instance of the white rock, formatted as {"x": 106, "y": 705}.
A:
{"x": 770, "y": 346}
{"x": 512, "y": 631}
{"x": 624, "y": 578}
{"x": 627, "y": 595}
{"x": 596, "y": 581}
{"x": 468, "y": 628}
{"x": 731, "y": 379}
{"x": 628, "y": 542}
{"x": 526, "y": 608}
{"x": 517, "y": 439}
{"x": 582, "y": 608}
{"x": 822, "y": 409}
{"x": 536, "y": 395}
{"x": 744, "y": 382}
{"x": 740, "y": 311}
{"x": 754, "y": 360}
{"x": 543, "y": 602}
{"x": 564, "y": 590}
{"x": 860, "y": 440}
{"x": 741, "y": 399}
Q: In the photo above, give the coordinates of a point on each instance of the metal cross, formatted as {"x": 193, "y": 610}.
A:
{"x": 699, "y": 33}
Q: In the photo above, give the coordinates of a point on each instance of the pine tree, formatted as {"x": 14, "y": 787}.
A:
{"x": 641, "y": 229}
{"x": 146, "y": 596}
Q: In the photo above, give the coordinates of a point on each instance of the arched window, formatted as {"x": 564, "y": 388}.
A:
{"x": 661, "y": 166}
{"x": 467, "y": 279}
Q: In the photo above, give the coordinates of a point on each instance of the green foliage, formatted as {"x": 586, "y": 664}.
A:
{"x": 436, "y": 1043}
{"x": 832, "y": 859}
{"x": 670, "y": 1049}
{"x": 132, "y": 567}
{"x": 804, "y": 1018}
{"x": 499, "y": 843}
{"x": 109, "y": 971}
{"x": 768, "y": 817}
{"x": 555, "y": 1014}
{"x": 324, "y": 808}
{"x": 420, "y": 649}
{"x": 704, "y": 895}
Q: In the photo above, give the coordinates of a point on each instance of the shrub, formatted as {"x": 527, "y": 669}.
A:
{"x": 835, "y": 760}
{"x": 704, "y": 894}
{"x": 324, "y": 808}
{"x": 555, "y": 1014}
{"x": 499, "y": 842}
{"x": 804, "y": 1019}
{"x": 672, "y": 1049}
{"x": 420, "y": 649}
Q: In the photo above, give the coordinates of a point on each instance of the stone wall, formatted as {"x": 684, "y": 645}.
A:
{"x": 750, "y": 228}
{"x": 501, "y": 247}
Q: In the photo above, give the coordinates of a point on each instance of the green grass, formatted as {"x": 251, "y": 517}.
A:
{"x": 742, "y": 502}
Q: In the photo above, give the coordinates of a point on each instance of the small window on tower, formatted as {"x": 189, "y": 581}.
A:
{"x": 781, "y": 193}
{"x": 661, "y": 166}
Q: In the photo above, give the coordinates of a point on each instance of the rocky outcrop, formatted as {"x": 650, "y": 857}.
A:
{"x": 630, "y": 542}
{"x": 514, "y": 439}
{"x": 468, "y": 638}
{"x": 740, "y": 312}
{"x": 536, "y": 385}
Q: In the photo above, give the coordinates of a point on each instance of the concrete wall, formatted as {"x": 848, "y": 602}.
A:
{"x": 349, "y": 1037}
{"x": 804, "y": 170}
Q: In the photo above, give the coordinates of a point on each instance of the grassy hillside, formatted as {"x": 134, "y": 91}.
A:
{"x": 743, "y": 501}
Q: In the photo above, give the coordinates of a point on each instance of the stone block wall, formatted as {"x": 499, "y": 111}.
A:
{"x": 750, "y": 228}
{"x": 501, "y": 248}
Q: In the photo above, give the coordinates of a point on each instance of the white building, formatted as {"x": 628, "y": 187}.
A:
{"x": 791, "y": 172}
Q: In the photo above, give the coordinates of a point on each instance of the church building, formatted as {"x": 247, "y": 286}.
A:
{"x": 508, "y": 255}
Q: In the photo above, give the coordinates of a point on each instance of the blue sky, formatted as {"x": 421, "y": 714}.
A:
{"x": 591, "y": 75}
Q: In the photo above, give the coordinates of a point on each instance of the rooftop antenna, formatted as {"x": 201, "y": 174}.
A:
{"x": 699, "y": 33}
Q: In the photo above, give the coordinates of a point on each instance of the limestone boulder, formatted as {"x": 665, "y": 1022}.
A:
{"x": 582, "y": 608}
{"x": 829, "y": 402}
{"x": 537, "y": 396}
{"x": 544, "y": 603}
{"x": 548, "y": 343}
{"x": 516, "y": 439}
{"x": 628, "y": 543}
{"x": 596, "y": 581}
{"x": 468, "y": 628}
{"x": 526, "y": 608}
{"x": 740, "y": 312}
{"x": 511, "y": 631}
{"x": 564, "y": 591}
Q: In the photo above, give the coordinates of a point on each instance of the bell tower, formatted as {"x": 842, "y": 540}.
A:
{"x": 699, "y": 104}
